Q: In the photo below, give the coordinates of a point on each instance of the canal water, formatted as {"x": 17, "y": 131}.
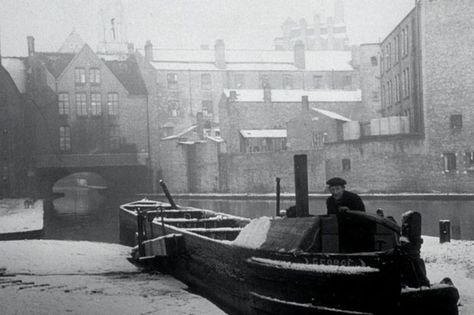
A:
{"x": 92, "y": 214}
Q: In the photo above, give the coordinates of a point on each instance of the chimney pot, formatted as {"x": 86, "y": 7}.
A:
{"x": 299, "y": 55}
{"x": 148, "y": 51}
{"x": 31, "y": 45}
{"x": 304, "y": 103}
{"x": 219, "y": 52}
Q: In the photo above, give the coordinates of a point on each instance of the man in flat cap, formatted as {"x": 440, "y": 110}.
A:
{"x": 341, "y": 199}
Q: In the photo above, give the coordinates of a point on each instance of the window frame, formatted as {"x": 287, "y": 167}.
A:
{"x": 64, "y": 138}
{"x": 64, "y": 105}
{"x": 80, "y": 76}
{"x": 81, "y": 104}
{"x": 96, "y": 105}
{"x": 94, "y": 76}
{"x": 113, "y": 104}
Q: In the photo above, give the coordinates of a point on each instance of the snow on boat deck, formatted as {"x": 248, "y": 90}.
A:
{"x": 15, "y": 217}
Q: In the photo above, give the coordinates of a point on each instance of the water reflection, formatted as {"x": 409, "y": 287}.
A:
{"x": 78, "y": 200}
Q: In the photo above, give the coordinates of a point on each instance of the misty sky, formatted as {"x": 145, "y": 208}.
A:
{"x": 246, "y": 24}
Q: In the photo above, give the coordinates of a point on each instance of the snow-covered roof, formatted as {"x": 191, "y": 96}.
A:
{"x": 264, "y": 133}
{"x": 215, "y": 138}
{"x": 276, "y": 60}
{"x": 287, "y": 96}
{"x": 16, "y": 68}
{"x": 182, "y": 133}
{"x": 330, "y": 114}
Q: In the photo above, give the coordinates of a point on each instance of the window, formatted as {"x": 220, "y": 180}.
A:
{"x": 382, "y": 60}
{"x": 287, "y": 81}
{"x": 114, "y": 137}
{"x": 172, "y": 81}
{"x": 63, "y": 104}
{"x": 389, "y": 52}
{"x": 384, "y": 93}
{"x": 449, "y": 162}
{"x": 94, "y": 75}
{"x": 469, "y": 160}
{"x": 173, "y": 107}
{"x": 346, "y": 164}
{"x": 206, "y": 107}
{"x": 404, "y": 46}
{"x": 264, "y": 80}
{"x": 96, "y": 104}
{"x": 373, "y": 61}
{"x": 395, "y": 49}
{"x": 113, "y": 104}
{"x": 81, "y": 104}
{"x": 375, "y": 96}
{"x": 455, "y": 121}
{"x": 239, "y": 81}
{"x": 407, "y": 41}
{"x": 206, "y": 82}
{"x": 317, "y": 81}
{"x": 80, "y": 75}
{"x": 347, "y": 81}
{"x": 64, "y": 138}
{"x": 408, "y": 82}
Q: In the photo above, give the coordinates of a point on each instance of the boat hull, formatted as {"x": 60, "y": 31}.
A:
{"x": 227, "y": 275}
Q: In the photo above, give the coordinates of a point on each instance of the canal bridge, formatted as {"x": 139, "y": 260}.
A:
{"x": 121, "y": 171}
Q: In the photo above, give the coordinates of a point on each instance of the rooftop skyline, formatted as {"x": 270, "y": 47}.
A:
{"x": 184, "y": 24}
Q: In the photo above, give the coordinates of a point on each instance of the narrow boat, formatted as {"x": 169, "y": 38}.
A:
{"x": 349, "y": 263}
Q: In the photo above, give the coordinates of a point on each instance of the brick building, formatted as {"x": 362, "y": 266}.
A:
{"x": 90, "y": 111}
{"x": 192, "y": 81}
{"x": 15, "y": 157}
{"x": 324, "y": 34}
{"x": 272, "y": 109}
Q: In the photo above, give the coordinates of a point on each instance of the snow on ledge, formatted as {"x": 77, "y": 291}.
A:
{"x": 254, "y": 234}
{"x": 349, "y": 270}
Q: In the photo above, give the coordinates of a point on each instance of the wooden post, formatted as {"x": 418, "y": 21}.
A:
{"x": 278, "y": 197}
{"x": 444, "y": 231}
{"x": 168, "y": 195}
{"x": 140, "y": 232}
{"x": 301, "y": 185}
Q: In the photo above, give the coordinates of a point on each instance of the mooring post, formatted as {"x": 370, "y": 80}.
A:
{"x": 444, "y": 231}
{"x": 301, "y": 185}
{"x": 278, "y": 197}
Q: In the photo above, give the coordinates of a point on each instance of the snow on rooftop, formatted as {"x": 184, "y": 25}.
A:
{"x": 330, "y": 114}
{"x": 254, "y": 234}
{"x": 264, "y": 133}
{"x": 182, "y": 133}
{"x": 241, "y": 60}
{"x": 288, "y": 96}
{"x": 16, "y": 68}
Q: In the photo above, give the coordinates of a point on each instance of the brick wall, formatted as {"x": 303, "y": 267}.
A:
{"x": 256, "y": 173}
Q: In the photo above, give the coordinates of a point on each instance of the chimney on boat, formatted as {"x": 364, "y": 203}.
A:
{"x": 31, "y": 45}
{"x": 301, "y": 185}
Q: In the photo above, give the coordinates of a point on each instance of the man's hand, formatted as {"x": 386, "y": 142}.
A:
{"x": 343, "y": 209}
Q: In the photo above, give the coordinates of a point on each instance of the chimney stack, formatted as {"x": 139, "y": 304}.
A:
{"x": 299, "y": 55}
{"x": 148, "y": 51}
{"x": 219, "y": 51}
{"x": 130, "y": 48}
{"x": 31, "y": 45}
{"x": 304, "y": 103}
{"x": 200, "y": 125}
{"x": 267, "y": 93}
{"x": 232, "y": 96}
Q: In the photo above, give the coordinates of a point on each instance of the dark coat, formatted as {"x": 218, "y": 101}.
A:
{"x": 349, "y": 200}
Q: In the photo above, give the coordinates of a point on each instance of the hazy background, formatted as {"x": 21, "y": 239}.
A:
{"x": 251, "y": 24}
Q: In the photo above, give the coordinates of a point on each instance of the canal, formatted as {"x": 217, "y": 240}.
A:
{"x": 92, "y": 214}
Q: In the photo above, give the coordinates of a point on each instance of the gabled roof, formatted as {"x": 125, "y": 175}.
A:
{"x": 330, "y": 114}
{"x": 72, "y": 44}
{"x": 55, "y": 62}
{"x": 17, "y": 69}
{"x": 264, "y": 133}
{"x": 289, "y": 96}
{"x": 128, "y": 73}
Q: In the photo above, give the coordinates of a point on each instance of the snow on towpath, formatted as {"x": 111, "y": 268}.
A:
{"x": 16, "y": 216}
{"x": 454, "y": 260}
{"x": 68, "y": 277}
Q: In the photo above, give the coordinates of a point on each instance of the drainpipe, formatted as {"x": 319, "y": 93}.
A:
{"x": 148, "y": 162}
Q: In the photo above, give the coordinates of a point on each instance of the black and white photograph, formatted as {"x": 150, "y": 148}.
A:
{"x": 267, "y": 157}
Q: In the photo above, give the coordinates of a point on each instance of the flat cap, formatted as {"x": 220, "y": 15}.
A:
{"x": 336, "y": 181}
